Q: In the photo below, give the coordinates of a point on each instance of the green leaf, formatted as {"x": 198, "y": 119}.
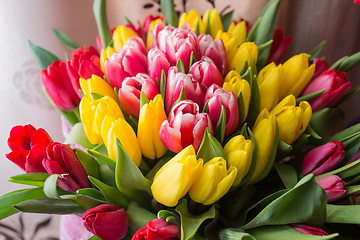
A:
{"x": 284, "y": 147}
{"x": 138, "y": 217}
{"x": 181, "y": 97}
{"x": 163, "y": 84}
{"x": 34, "y": 179}
{"x": 65, "y": 40}
{"x": 346, "y": 63}
{"x": 234, "y": 234}
{"x": 107, "y": 175}
{"x": 8, "y": 200}
{"x": 93, "y": 194}
{"x": 347, "y": 171}
{"x": 245, "y": 69}
{"x": 210, "y": 147}
{"x": 77, "y": 135}
{"x": 312, "y": 132}
{"x": 317, "y": 50}
{"x": 287, "y": 174}
{"x": 347, "y": 134}
{"x": 168, "y": 11}
{"x": 127, "y": 20}
{"x": 197, "y": 28}
{"x": 306, "y": 202}
{"x": 180, "y": 66}
{"x": 143, "y": 99}
{"x": 241, "y": 107}
{"x": 226, "y": 20}
{"x": 264, "y": 46}
{"x": 102, "y": 159}
{"x": 348, "y": 214}
{"x": 192, "y": 60}
{"x": 50, "y": 187}
{"x": 324, "y": 120}
{"x": 352, "y": 189}
{"x": 94, "y": 238}
{"x": 254, "y": 105}
{"x": 169, "y": 217}
{"x": 90, "y": 165}
{"x": 55, "y": 206}
{"x": 99, "y": 10}
{"x": 351, "y": 141}
{"x": 208, "y": 27}
{"x": 251, "y": 35}
{"x": 284, "y": 233}
{"x": 96, "y": 96}
{"x": 190, "y": 223}
{"x": 219, "y": 131}
{"x": 309, "y": 96}
{"x": 43, "y": 57}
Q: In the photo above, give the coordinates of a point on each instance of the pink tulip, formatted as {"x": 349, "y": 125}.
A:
{"x": 149, "y": 19}
{"x": 333, "y": 186}
{"x": 157, "y": 62}
{"x": 335, "y": 84}
{"x": 279, "y": 46}
{"x": 215, "y": 50}
{"x": 83, "y": 64}
{"x": 129, "y": 93}
{"x": 185, "y": 126}
{"x": 357, "y": 1}
{"x": 206, "y": 72}
{"x": 61, "y": 159}
{"x": 310, "y": 230}
{"x": 320, "y": 67}
{"x": 324, "y": 158}
{"x": 175, "y": 82}
{"x": 59, "y": 87}
{"x": 218, "y": 97}
{"x": 158, "y": 229}
{"x": 126, "y": 62}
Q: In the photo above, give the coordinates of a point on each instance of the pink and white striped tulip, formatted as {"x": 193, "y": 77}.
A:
{"x": 206, "y": 72}
{"x": 157, "y": 62}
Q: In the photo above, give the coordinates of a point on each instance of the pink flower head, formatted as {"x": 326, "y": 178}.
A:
{"x": 206, "y": 72}
{"x": 333, "y": 186}
{"x": 306, "y": 229}
{"x": 320, "y": 67}
{"x": 149, "y": 19}
{"x": 158, "y": 229}
{"x": 157, "y": 62}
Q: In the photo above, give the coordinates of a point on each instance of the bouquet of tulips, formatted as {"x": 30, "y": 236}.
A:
{"x": 193, "y": 128}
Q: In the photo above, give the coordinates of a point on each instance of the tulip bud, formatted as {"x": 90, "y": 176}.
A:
{"x": 269, "y": 81}
{"x": 335, "y": 84}
{"x": 185, "y": 126}
{"x": 205, "y": 72}
{"x": 247, "y": 51}
{"x": 175, "y": 178}
{"x": 238, "y": 153}
{"x": 152, "y": 115}
{"x": 217, "y": 98}
{"x": 157, "y": 62}
{"x": 213, "y": 18}
{"x": 28, "y": 147}
{"x": 238, "y": 31}
{"x": 230, "y": 44}
{"x": 97, "y": 85}
{"x": 213, "y": 182}
{"x": 130, "y": 91}
{"x": 105, "y": 55}
{"x": 58, "y": 86}
{"x": 333, "y": 186}
{"x": 106, "y": 221}
{"x": 93, "y": 112}
{"x": 192, "y": 18}
{"x": 292, "y": 120}
{"x": 296, "y": 75}
{"x": 310, "y": 230}
{"x": 121, "y": 35}
{"x": 320, "y": 66}
{"x": 61, "y": 159}
{"x": 323, "y": 159}
{"x": 158, "y": 229}
{"x": 149, "y": 20}
{"x": 279, "y": 46}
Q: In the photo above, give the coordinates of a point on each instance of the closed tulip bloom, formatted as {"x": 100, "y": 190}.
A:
{"x": 152, "y": 115}
{"x": 264, "y": 131}
{"x": 310, "y": 230}
{"x": 106, "y": 221}
{"x": 160, "y": 229}
{"x": 215, "y": 50}
{"x": 105, "y": 55}
{"x": 335, "y": 84}
{"x": 269, "y": 80}
{"x": 213, "y": 182}
{"x": 296, "y": 75}
{"x": 230, "y": 43}
{"x": 238, "y": 151}
{"x": 247, "y": 51}
{"x": 157, "y": 62}
{"x": 238, "y": 30}
{"x": 149, "y": 20}
{"x": 151, "y": 33}
{"x": 213, "y": 18}
{"x": 28, "y": 147}
{"x": 320, "y": 66}
{"x": 217, "y": 98}
{"x": 121, "y": 35}
{"x": 97, "y": 85}
{"x": 279, "y": 46}
{"x": 323, "y": 159}
{"x": 185, "y": 126}
{"x": 130, "y": 91}
{"x": 175, "y": 82}
{"x": 333, "y": 186}
{"x": 113, "y": 129}
{"x": 206, "y": 72}
{"x": 93, "y": 112}
{"x": 192, "y": 18}
{"x": 61, "y": 159}
{"x": 292, "y": 120}
{"x": 58, "y": 86}
{"x": 126, "y": 62}
{"x": 175, "y": 178}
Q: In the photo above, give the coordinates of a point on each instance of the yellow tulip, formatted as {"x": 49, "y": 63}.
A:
{"x": 192, "y": 17}
{"x": 247, "y": 51}
{"x": 238, "y": 153}
{"x": 175, "y": 178}
{"x": 230, "y": 44}
{"x": 151, "y": 117}
{"x": 121, "y": 35}
{"x": 238, "y": 31}
{"x": 264, "y": 131}
{"x": 97, "y": 85}
{"x": 292, "y": 120}
{"x": 213, "y": 17}
{"x": 213, "y": 182}
{"x": 234, "y": 83}
{"x": 113, "y": 129}
{"x": 105, "y": 55}
{"x": 150, "y": 36}
{"x": 297, "y": 74}
{"x": 269, "y": 80}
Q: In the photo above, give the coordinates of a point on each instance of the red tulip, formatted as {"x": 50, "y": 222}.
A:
{"x": 320, "y": 67}
{"x": 59, "y": 87}
{"x": 84, "y": 63}
{"x": 106, "y": 221}
{"x": 218, "y": 97}
{"x": 28, "y": 147}
{"x": 129, "y": 93}
{"x": 306, "y": 229}
{"x": 205, "y": 72}
{"x": 126, "y": 62}
{"x": 279, "y": 46}
{"x": 61, "y": 159}
{"x": 324, "y": 158}
{"x": 158, "y": 229}
{"x": 333, "y": 186}
{"x": 185, "y": 126}
{"x": 357, "y": 1}
{"x": 335, "y": 85}
{"x": 157, "y": 62}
